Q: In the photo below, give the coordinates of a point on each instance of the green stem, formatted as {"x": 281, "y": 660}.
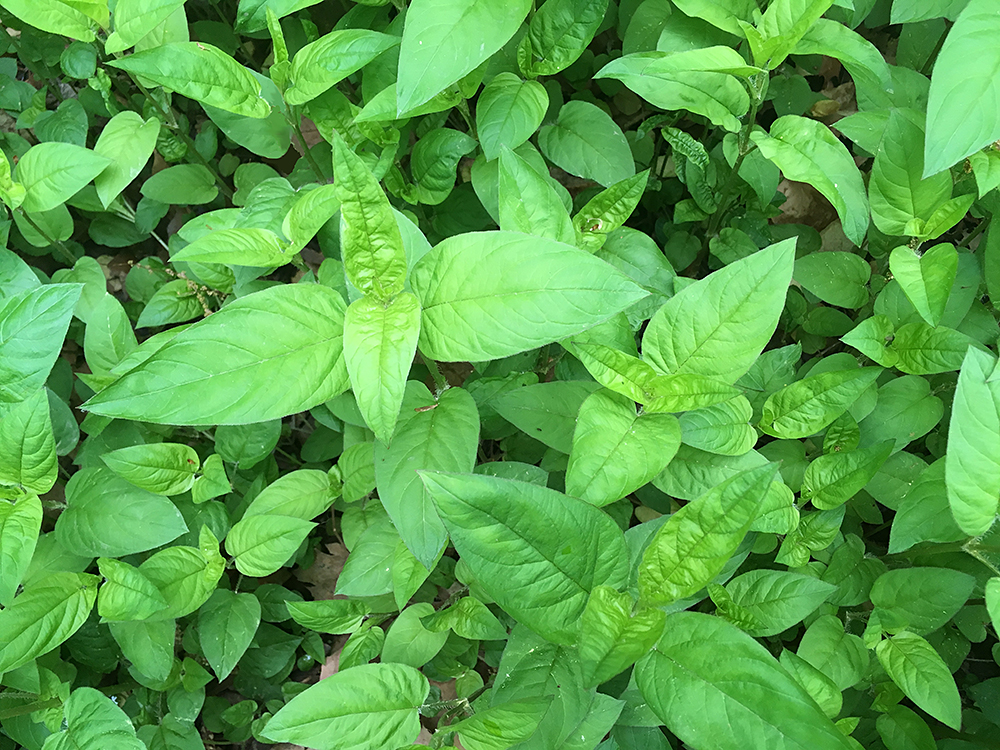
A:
{"x": 29, "y": 708}
{"x": 980, "y": 228}
{"x": 463, "y": 109}
{"x": 440, "y": 382}
{"x": 928, "y": 66}
{"x": 296, "y": 124}
{"x": 65, "y": 252}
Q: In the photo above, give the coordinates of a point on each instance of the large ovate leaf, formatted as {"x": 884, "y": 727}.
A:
{"x": 443, "y": 40}
{"x": 51, "y": 173}
{"x": 719, "y": 325}
{"x": 964, "y": 87}
{"x": 713, "y": 686}
{"x": 367, "y": 706}
{"x": 28, "y": 445}
{"x": 53, "y": 16}
{"x": 537, "y": 552}
{"x": 226, "y": 625}
{"x": 473, "y": 287}
{"x": 20, "y": 524}
{"x": 94, "y": 722}
{"x": 161, "y": 468}
{"x": 808, "y": 405}
{"x": 920, "y": 672}
{"x": 508, "y": 111}
{"x": 264, "y": 356}
{"x": 612, "y": 637}
{"x": 201, "y": 72}
{"x": 331, "y": 58}
{"x": 128, "y": 141}
{"x": 134, "y": 19}
{"x": 585, "y": 141}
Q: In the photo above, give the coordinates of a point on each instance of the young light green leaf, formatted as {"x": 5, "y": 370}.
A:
{"x": 126, "y": 593}
{"x": 918, "y": 670}
{"x": 612, "y": 637}
{"x": 44, "y": 616}
{"x": 501, "y": 726}
{"x": 380, "y": 340}
{"x": 508, "y": 112}
{"x": 923, "y": 350}
{"x": 264, "y": 356}
{"x": 106, "y": 516}
{"x": 260, "y": 248}
{"x": 559, "y": 32}
{"x": 615, "y": 451}
{"x": 252, "y": 14}
{"x": 186, "y": 576}
{"x": 556, "y": 548}
{"x": 783, "y": 24}
{"x": 965, "y": 80}
{"x": 468, "y": 618}
{"x": 136, "y": 18}
{"x": 51, "y": 173}
{"x": 709, "y": 682}
{"x": 433, "y": 162}
{"x": 807, "y": 406}
{"x": 528, "y": 203}
{"x": 28, "y": 446}
{"x": 807, "y": 151}
{"x": 609, "y": 209}
{"x": 226, "y": 626}
{"x": 161, "y": 468}
{"x": 443, "y": 40}
{"x": 334, "y": 616}
{"x": 331, "y": 58}
{"x": 370, "y": 705}
{"x": 726, "y": 318}
{"x": 972, "y": 467}
{"x": 128, "y": 141}
{"x": 109, "y": 337}
{"x": 926, "y": 279}
{"x": 686, "y": 391}
{"x": 820, "y": 687}
{"x": 201, "y": 72}
{"x": 585, "y": 141}
{"x": 720, "y": 428}
{"x": 370, "y": 242}
{"x": 94, "y": 722}
{"x": 471, "y": 286}
{"x": 690, "y": 549}
{"x": 53, "y": 16}
{"x": 777, "y": 599}
{"x": 443, "y": 437}
{"x": 409, "y": 642}
{"x": 835, "y": 478}
{"x": 993, "y": 600}
{"x": 20, "y": 524}
{"x": 920, "y": 599}
{"x": 614, "y": 369}
{"x": 308, "y": 215}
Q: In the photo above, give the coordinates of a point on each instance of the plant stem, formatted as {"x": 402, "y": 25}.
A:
{"x": 932, "y": 58}
{"x": 440, "y": 382}
{"x": 65, "y": 252}
{"x": 295, "y": 122}
{"x": 980, "y": 228}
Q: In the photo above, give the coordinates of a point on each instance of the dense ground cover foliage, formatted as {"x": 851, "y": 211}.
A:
{"x": 496, "y": 373}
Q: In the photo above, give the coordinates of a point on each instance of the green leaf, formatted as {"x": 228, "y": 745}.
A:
{"x": 680, "y": 81}
{"x": 727, "y": 317}
{"x": 556, "y": 548}
{"x": 807, "y": 406}
{"x": 106, "y": 516}
{"x": 367, "y": 706}
{"x": 182, "y": 185}
{"x": 409, "y": 642}
{"x": 806, "y": 151}
{"x": 871, "y": 74}
{"x": 200, "y": 72}
{"x": 279, "y": 349}
{"x": 94, "y": 722}
{"x": 612, "y": 637}
{"x": 226, "y": 626}
{"x": 902, "y": 729}
{"x": 126, "y": 593}
{"x": 972, "y": 467}
{"x": 924, "y": 514}
{"x": 691, "y": 548}
{"x": 308, "y": 215}
{"x": 380, "y": 340}
{"x": 27, "y": 445}
{"x": 835, "y": 478}
{"x": 109, "y": 337}
{"x": 926, "y": 279}
{"x": 502, "y": 726}
{"x": 508, "y": 112}
{"x": 334, "y": 616}
{"x": 820, "y": 687}
{"x": 920, "y": 600}
{"x": 443, "y": 437}
{"x": 615, "y": 451}
{"x": 966, "y": 78}
{"x": 710, "y": 683}
{"x": 128, "y": 141}
{"x": 609, "y": 209}
{"x": 20, "y": 524}
{"x": 53, "y": 16}
{"x": 720, "y": 428}
{"x": 560, "y": 31}
{"x": 471, "y": 286}
{"x": 186, "y": 576}
{"x": 252, "y": 14}
{"x": 528, "y": 203}
{"x": 331, "y": 58}
{"x": 784, "y": 23}
{"x": 303, "y": 494}
{"x": 918, "y": 670}
{"x": 443, "y": 40}
{"x": 43, "y": 616}
{"x": 777, "y": 599}
{"x": 162, "y": 468}
{"x": 614, "y": 369}
{"x": 686, "y": 391}
{"x": 898, "y": 192}
{"x": 586, "y": 142}
{"x": 468, "y": 618}
{"x": 433, "y": 162}
{"x": 51, "y": 173}
{"x": 136, "y": 18}
{"x": 242, "y": 247}
{"x": 923, "y": 350}
{"x": 993, "y": 600}
{"x": 837, "y": 278}
{"x": 546, "y": 411}
{"x": 370, "y": 241}
{"x": 260, "y": 545}
{"x": 149, "y": 645}
{"x": 840, "y": 656}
